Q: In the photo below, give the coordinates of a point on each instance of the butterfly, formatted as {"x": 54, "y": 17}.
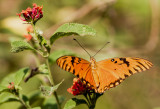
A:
{"x": 105, "y": 74}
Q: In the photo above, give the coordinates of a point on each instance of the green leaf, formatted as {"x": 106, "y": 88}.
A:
{"x": 20, "y": 74}
{"x": 7, "y": 79}
{"x": 56, "y": 54}
{"x": 36, "y": 98}
{"x": 6, "y": 97}
{"x": 36, "y": 108}
{"x": 25, "y": 99}
{"x": 56, "y": 86}
{"x": 72, "y": 29}
{"x": 3, "y": 88}
{"x": 50, "y": 102}
{"x": 47, "y": 90}
{"x": 43, "y": 69}
{"x": 43, "y": 42}
{"x": 73, "y": 103}
{"x": 18, "y": 46}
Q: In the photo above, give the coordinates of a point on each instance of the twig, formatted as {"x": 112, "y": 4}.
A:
{"x": 153, "y": 38}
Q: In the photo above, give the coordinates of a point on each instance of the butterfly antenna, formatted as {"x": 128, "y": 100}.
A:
{"x": 81, "y": 46}
{"x": 101, "y": 48}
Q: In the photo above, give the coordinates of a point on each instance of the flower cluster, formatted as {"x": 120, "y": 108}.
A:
{"x": 11, "y": 85}
{"x": 31, "y": 14}
{"x": 79, "y": 87}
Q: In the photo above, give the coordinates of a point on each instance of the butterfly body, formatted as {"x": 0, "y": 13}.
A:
{"x": 105, "y": 74}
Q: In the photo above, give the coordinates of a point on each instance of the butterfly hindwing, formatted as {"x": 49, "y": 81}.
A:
{"x": 113, "y": 71}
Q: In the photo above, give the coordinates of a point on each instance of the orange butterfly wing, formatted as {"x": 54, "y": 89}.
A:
{"x": 78, "y": 66}
{"x": 107, "y": 73}
{"x": 113, "y": 71}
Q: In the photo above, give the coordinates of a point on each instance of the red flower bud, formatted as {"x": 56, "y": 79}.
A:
{"x": 31, "y": 14}
{"x": 28, "y": 37}
{"x": 30, "y": 29}
{"x": 11, "y": 86}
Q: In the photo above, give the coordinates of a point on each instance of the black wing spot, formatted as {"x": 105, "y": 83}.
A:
{"x": 79, "y": 60}
{"x": 126, "y": 76}
{"x": 124, "y": 61}
{"x": 112, "y": 60}
{"x": 115, "y": 62}
{"x": 130, "y": 72}
{"x": 69, "y": 69}
{"x": 115, "y": 69}
{"x": 73, "y": 71}
{"x": 77, "y": 76}
{"x": 72, "y": 61}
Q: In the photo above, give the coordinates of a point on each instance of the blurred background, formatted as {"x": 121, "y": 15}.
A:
{"x": 131, "y": 26}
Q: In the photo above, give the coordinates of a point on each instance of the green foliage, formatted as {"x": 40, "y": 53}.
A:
{"x": 36, "y": 108}
{"x": 7, "y": 97}
{"x": 50, "y": 102}
{"x": 42, "y": 69}
{"x": 9, "y": 78}
{"x": 3, "y": 88}
{"x": 73, "y": 103}
{"x": 48, "y": 90}
{"x": 43, "y": 42}
{"x": 18, "y": 46}
{"x": 58, "y": 53}
{"x": 20, "y": 74}
{"x": 72, "y": 29}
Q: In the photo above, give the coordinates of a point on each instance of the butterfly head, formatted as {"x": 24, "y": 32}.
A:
{"x": 92, "y": 59}
{"x": 93, "y": 62}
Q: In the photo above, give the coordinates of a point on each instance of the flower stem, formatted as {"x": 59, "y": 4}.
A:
{"x": 52, "y": 83}
{"x": 49, "y": 70}
{"x": 23, "y": 102}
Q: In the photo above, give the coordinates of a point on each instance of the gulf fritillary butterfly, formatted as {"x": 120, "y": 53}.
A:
{"x": 104, "y": 74}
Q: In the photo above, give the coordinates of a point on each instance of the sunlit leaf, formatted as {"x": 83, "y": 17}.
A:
{"x": 72, "y": 29}
{"x": 56, "y": 54}
{"x": 7, "y": 79}
{"x": 18, "y": 46}
{"x": 36, "y": 108}
{"x": 6, "y": 97}
{"x": 43, "y": 42}
{"x": 73, "y": 103}
{"x": 20, "y": 74}
{"x": 3, "y": 88}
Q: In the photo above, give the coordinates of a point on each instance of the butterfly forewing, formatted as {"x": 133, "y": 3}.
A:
{"x": 113, "y": 71}
{"x": 78, "y": 66}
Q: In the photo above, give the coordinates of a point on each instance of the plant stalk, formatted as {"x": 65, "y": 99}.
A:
{"x": 52, "y": 83}
{"x": 23, "y": 102}
{"x": 49, "y": 70}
